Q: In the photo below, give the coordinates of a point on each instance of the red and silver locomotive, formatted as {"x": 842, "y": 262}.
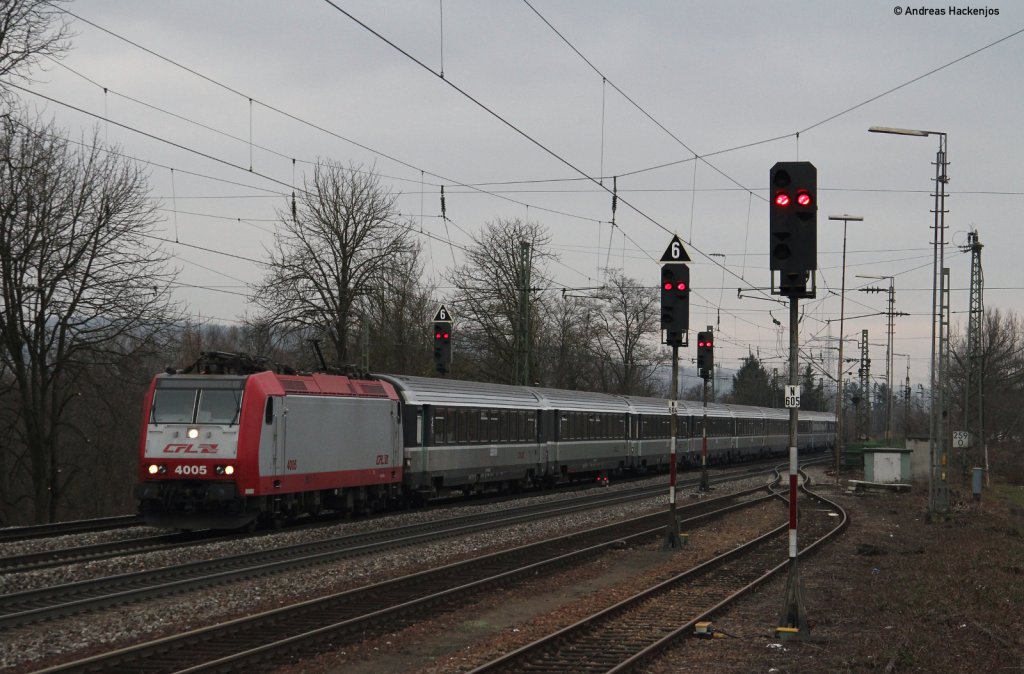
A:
{"x": 224, "y": 450}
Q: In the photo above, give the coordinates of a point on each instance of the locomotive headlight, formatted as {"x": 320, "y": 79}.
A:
{"x": 229, "y": 470}
{"x": 153, "y": 469}
{"x": 193, "y": 432}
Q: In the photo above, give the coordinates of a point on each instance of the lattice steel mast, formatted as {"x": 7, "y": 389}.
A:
{"x": 975, "y": 371}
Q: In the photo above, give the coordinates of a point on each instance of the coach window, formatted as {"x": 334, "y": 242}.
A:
{"x": 493, "y": 426}
{"x": 268, "y": 415}
{"x": 483, "y": 429}
{"x": 439, "y": 426}
{"x": 472, "y": 417}
{"x": 450, "y": 436}
{"x": 461, "y": 426}
{"x": 481, "y": 425}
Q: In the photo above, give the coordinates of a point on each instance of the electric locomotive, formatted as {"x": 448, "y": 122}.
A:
{"x": 227, "y": 450}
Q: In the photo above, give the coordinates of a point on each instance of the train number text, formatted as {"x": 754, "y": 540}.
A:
{"x": 190, "y": 470}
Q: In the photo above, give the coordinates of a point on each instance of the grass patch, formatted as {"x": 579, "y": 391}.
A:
{"x": 1011, "y": 493}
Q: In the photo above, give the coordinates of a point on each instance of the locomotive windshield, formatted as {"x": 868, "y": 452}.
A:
{"x": 204, "y": 401}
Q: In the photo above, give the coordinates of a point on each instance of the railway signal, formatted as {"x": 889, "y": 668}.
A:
{"x": 443, "y": 340}
{"x": 675, "y": 321}
{"x": 442, "y": 347}
{"x": 793, "y": 224}
{"x": 675, "y": 302}
{"x": 705, "y": 354}
{"x": 793, "y": 253}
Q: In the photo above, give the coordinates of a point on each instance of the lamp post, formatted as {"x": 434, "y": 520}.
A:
{"x": 842, "y": 312}
{"x": 938, "y": 490}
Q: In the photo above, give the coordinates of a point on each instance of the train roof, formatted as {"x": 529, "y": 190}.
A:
{"x": 437, "y": 391}
{"x": 648, "y": 405}
{"x": 456, "y": 392}
{"x": 583, "y": 400}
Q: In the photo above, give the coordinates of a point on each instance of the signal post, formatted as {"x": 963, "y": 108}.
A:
{"x": 675, "y": 322}
{"x": 793, "y": 253}
{"x": 705, "y": 368}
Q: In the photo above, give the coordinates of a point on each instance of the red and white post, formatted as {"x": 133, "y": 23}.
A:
{"x": 793, "y": 622}
{"x": 672, "y": 539}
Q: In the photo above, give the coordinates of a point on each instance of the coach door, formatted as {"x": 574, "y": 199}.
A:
{"x": 275, "y": 417}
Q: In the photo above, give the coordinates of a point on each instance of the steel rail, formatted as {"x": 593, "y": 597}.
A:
{"x": 243, "y": 643}
{"x": 14, "y": 534}
{"x": 48, "y": 603}
{"x": 543, "y": 654}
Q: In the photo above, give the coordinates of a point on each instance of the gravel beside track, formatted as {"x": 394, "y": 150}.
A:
{"x": 24, "y": 648}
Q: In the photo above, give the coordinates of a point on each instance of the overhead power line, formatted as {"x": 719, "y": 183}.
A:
{"x": 312, "y": 125}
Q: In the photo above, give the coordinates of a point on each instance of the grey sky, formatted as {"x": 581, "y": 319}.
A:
{"x": 717, "y": 75}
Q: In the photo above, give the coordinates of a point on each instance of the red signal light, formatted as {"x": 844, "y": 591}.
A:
{"x": 804, "y": 199}
{"x": 668, "y": 285}
{"x": 437, "y": 335}
{"x": 446, "y": 335}
{"x": 782, "y": 199}
{"x": 681, "y": 285}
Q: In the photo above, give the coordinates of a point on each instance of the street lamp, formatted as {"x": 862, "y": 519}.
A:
{"x": 842, "y": 312}
{"x": 938, "y": 494}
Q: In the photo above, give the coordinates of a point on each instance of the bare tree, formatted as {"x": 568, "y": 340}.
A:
{"x": 567, "y": 344}
{"x": 339, "y": 243}
{"x": 80, "y": 288}
{"x": 488, "y": 295}
{"x": 629, "y": 317}
{"x": 29, "y": 31}
{"x": 1002, "y": 372}
{"x": 395, "y": 319}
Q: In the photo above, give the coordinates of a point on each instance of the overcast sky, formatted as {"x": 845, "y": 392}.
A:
{"x": 700, "y": 78}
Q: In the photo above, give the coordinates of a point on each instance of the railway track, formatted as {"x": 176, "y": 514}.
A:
{"x": 168, "y": 541}
{"x": 275, "y": 636}
{"x": 627, "y": 635}
{"x": 58, "y": 601}
{"x": 86, "y": 553}
{"x": 14, "y": 534}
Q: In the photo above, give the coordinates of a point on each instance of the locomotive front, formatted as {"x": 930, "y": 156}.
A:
{"x": 189, "y": 460}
